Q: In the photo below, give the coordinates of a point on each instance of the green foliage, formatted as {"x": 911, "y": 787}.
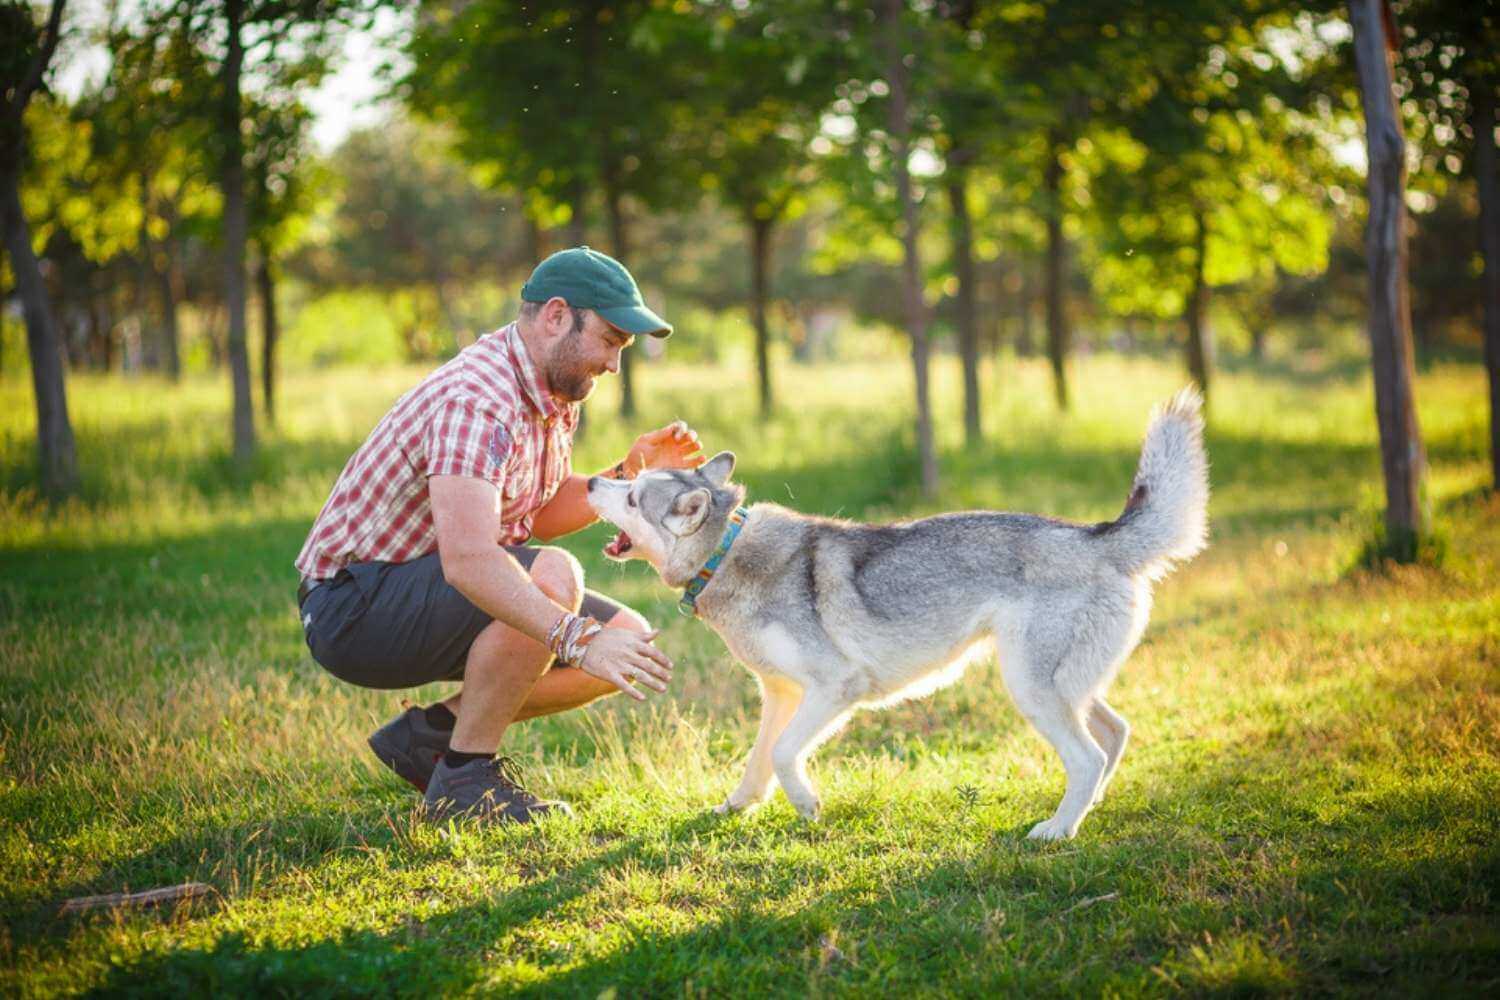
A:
{"x": 407, "y": 213}
{"x": 551, "y": 101}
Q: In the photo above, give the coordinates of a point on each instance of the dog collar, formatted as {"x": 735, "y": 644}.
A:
{"x": 689, "y": 603}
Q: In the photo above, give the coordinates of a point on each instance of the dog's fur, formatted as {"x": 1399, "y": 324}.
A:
{"x": 832, "y": 616}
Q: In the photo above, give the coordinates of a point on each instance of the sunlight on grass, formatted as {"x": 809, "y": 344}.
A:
{"x": 1309, "y": 802}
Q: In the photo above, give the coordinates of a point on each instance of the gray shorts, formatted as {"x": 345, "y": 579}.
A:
{"x": 398, "y": 625}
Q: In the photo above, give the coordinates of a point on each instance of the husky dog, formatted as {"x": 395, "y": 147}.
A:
{"x": 832, "y": 615}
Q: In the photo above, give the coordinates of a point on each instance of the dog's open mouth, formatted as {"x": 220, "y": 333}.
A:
{"x": 617, "y": 546}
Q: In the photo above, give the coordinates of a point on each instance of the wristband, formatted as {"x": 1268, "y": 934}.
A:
{"x": 570, "y": 636}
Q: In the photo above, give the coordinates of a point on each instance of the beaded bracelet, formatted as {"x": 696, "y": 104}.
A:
{"x": 570, "y": 636}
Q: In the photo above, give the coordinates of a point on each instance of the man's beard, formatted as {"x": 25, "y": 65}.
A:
{"x": 569, "y": 378}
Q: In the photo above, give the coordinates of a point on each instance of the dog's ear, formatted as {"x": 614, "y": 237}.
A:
{"x": 688, "y": 512}
{"x": 718, "y": 468}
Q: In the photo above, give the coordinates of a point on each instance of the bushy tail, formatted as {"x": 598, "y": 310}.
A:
{"x": 1165, "y": 521}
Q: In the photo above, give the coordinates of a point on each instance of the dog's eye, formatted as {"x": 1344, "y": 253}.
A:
{"x": 630, "y": 500}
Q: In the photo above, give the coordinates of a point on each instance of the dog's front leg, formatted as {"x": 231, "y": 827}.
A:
{"x": 778, "y": 700}
{"x": 817, "y": 717}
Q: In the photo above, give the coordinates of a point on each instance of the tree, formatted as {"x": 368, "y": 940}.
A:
{"x": 410, "y": 218}
{"x": 284, "y": 186}
{"x": 278, "y": 44}
{"x": 553, "y": 101}
{"x": 966, "y": 99}
{"x": 1401, "y": 450}
{"x": 1207, "y": 180}
{"x": 748, "y": 118}
{"x": 1450, "y": 70}
{"x": 25, "y": 57}
{"x": 893, "y": 46}
{"x": 162, "y": 155}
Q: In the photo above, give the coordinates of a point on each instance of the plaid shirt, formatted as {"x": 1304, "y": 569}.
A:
{"x": 488, "y": 414}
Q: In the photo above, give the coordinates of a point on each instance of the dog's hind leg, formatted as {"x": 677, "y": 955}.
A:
{"x": 819, "y": 715}
{"x": 1112, "y": 732}
{"x": 779, "y": 699}
{"x": 1062, "y": 725}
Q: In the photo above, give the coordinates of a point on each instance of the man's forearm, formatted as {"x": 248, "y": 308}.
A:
{"x": 498, "y": 586}
{"x": 568, "y": 510}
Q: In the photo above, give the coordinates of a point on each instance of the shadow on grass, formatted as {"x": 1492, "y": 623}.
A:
{"x": 932, "y": 927}
{"x": 1225, "y": 854}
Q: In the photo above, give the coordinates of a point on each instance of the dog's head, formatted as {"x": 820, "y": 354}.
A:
{"x": 672, "y": 518}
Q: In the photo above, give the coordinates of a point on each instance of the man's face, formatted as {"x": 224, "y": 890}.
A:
{"x": 582, "y": 355}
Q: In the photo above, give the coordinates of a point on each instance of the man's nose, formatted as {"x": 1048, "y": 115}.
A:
{"x": 613, "y": 365}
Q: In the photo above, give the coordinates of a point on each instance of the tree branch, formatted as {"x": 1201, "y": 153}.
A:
{"x": 33, "y": 78}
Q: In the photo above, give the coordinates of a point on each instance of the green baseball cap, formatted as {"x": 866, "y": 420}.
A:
{"x": 589, "y": 279}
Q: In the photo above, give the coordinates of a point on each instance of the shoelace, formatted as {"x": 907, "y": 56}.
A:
{"x": 510, "y": 773}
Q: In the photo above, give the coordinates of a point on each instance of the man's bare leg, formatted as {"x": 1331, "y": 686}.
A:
{"x": 560, "y": 689}
{"x": 504, "y": 665}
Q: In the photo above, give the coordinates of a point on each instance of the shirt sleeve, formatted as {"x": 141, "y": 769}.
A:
{"x": 464, "y": 439}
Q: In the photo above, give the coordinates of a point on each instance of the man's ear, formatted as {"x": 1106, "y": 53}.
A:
{"x": 718, "y": 468}
{"x": 689, "y": 511}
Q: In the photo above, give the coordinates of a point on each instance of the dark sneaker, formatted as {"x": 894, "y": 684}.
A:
{"x": 486, "y": 790}
{"x": 410, "y": 746}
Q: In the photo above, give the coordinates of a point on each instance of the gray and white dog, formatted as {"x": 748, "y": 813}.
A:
{"x": 832, "y": 615}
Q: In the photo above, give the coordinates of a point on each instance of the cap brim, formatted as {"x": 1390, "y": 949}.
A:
{"x": 636, "y": 320}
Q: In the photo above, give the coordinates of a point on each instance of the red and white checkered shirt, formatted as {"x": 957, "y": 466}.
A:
{"x": 488, "y": 413}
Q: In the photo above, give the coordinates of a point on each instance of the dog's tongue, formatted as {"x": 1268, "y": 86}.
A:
{"x": 618, "y": 545}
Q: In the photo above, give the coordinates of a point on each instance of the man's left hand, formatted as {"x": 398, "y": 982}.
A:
{"x": 674, "y": 446}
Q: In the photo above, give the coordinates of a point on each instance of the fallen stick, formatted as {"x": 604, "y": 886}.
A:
{"x": 150, "y": 897}
{"x": 1090, "y": 902}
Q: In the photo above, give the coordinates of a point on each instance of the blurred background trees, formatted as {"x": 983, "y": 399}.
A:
{"x": 790, "y": 180}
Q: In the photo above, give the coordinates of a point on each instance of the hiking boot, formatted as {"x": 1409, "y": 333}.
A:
{"x": 486, "y": 790}
{"x": 411, "y": 746}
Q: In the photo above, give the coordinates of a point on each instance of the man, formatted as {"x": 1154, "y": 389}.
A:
{"x": 414, "y": 570}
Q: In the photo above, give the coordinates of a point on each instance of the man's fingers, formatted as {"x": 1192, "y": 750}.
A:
{"x": 650, "y": 652}
{"x": 653, "y": 668}
{"x": 623, "y": 684}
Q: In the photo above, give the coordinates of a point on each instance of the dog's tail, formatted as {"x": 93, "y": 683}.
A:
{"x": 1165, "y": 521}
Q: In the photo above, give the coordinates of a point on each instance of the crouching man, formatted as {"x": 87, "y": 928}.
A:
{"x": 415, "y": 569}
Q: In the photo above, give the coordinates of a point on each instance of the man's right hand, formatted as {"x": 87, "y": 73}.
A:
{"x": 623, "y": 656}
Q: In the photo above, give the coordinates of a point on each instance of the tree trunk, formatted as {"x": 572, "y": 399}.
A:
{"x": 1198, "y": 347}
{"x": 911, "y": 287}
{"x": 1390, "y": 307}
{"x": 1483, "y": 92}
{"x": 270, "y": 334}
{"x": 1025, "y": 331}
{"x": 235, "y": 236}
{"x": 575, "y": 233}
{"x": 151, "y": 343}
{"x": 760, "y": 279}
{"x": 54, "y": 431}
{"x": 169, "y": 276}
{"x": 617, "y": 237}
{"x": 98, "y": 346}
{"x": 1057, "y": 320}
{"x": 968, "y": 326}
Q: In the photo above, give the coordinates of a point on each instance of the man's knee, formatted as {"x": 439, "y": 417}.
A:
{"x": 626, "y": 618}
{"x": 559, "y": 575}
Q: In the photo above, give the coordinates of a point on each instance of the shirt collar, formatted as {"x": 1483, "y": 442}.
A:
{"x": 533, "y": 383}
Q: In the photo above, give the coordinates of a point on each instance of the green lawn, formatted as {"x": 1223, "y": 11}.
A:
{"x": 1310, "y": 802}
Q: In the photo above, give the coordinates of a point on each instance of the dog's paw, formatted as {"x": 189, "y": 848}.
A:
{"x": 809, "y": 810}
{"x": 728, "y": 808}
{"x": 1050, "y": 829}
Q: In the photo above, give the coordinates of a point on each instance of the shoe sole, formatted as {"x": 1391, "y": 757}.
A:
{"x": 392, "y": 757}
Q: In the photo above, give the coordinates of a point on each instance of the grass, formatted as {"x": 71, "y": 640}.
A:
{"x": 1310, "y": 803}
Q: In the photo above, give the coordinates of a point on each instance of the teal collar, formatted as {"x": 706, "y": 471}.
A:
{"x": 689, "y": 603}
